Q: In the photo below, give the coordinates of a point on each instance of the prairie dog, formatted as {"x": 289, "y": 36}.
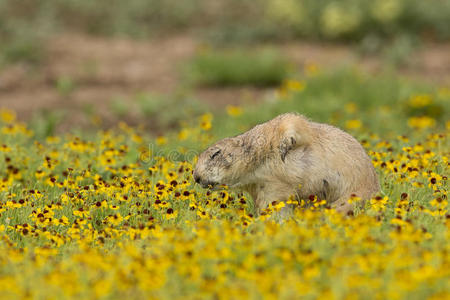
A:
{"x": 290, "y": 155}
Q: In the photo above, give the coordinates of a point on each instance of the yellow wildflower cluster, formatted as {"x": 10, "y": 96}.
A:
{"x": 234, "y": 111}
{"x": 353, "y": 124}
{"x": 91, "y": 219}
{"x": 421, "y": 100}
{"x": 290, "y": 86}
{"x": 421, "y": 122}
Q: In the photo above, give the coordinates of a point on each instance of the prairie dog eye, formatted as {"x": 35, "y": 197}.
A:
{"x": 215, "y": 154}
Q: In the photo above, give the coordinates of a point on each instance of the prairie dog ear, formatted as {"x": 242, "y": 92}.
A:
{"x": 294, "y": 131}
{"x": 286, "y": 145}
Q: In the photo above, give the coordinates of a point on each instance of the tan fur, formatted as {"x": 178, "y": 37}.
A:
{"x": 272, "y": 160}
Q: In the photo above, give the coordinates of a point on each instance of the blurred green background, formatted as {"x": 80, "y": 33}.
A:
{"x": 70, "y": 64}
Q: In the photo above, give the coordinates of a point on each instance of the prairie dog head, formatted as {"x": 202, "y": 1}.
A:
{"x": 220, "y": 163}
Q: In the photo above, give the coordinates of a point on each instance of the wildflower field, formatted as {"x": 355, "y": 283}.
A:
{"x": 116, "y": 213}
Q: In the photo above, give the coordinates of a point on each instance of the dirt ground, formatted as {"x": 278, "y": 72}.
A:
{"x": 101, "y": 70}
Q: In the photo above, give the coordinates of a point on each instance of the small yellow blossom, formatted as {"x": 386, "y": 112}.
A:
{"x": 7, "y": 116}
{"x": 161, "y": 140}
{"x": 421, "y": 122}
{"x": 312, "y": 69}
{"x": 233, "y": 110}
{"x": 353, "y": 124}
{"x": 419, "y": 101}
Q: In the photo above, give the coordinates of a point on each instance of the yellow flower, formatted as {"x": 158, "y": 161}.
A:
{"x": 102, "y": 287}
{"x": 5, "y": 148}
{"x": 290, "y": 86}
{"x": 420, "y": 101}
{"x": 202, "y": 214}
{"x": 379, "y": 203}
{"x": 205, "y": 121}
{"x": 353, "y": 124}
{"x": 107, "y": 161}
{"x": 63, "y": 221}
{"x": 421, "y": 122}
{"x": 51, "y": 181}
{"x": 439, "y": 203}
{"x": 234, "y": 111}
{"x": 39, "y": 173}
{"x": 7, "y": 116}
{"x": 183, "y": 134}
{"x": 205, "y": 125}
{"x": 171, "y": 213}
{"x": 294, "y": 85}
{"x": 354, "y": 199}
{"x": 311, "y": 69}
{"x": 81, "y": 213}
{"x": 277, "y": 206}
{"x": 115, "y": 219}
{"x": 53, "y": 140}
{"x": 161, "y": 140}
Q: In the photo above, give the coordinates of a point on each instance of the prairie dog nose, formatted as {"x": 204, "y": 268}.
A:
{"x": 197, "y": 178}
